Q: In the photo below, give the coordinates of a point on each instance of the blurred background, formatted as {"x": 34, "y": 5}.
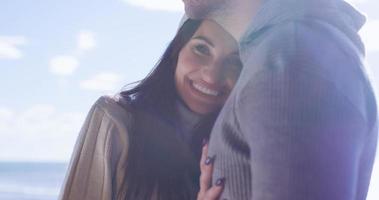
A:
{"x": 58, "y": 57}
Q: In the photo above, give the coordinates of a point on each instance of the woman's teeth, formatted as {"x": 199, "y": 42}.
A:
{"x": 205, "y": 90}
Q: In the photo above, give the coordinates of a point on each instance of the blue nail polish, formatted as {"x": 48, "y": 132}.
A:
{"x": 209, "y": 160}
{"x": 220, "y": 182}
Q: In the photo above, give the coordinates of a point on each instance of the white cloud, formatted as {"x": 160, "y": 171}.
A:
{"x": 5, "y": 113}
{"x": 105, "y": 81}
{"x": 163, "y": 5}
{"x": 63, "y": 65}
{"x": 86, "y": 40}
{"x": 6, "y": 116}
{"x": 40, "y": 133}
{"x": 369, "y": 34}
{"x": 9, "y": 47}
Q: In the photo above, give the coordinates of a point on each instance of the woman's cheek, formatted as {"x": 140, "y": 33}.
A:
{"x": 197, "y": 59}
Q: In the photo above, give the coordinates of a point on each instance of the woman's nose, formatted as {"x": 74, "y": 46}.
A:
{"x": 212, "y": 73}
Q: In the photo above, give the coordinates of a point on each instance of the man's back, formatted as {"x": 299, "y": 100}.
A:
{"x": 302, "y": 120}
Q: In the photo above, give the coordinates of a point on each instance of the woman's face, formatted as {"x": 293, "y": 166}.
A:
{"x": 208, "y": 67}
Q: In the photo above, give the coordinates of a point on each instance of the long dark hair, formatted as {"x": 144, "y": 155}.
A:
{"x": 157, "y": 89}
{"x": 157, "y": 92}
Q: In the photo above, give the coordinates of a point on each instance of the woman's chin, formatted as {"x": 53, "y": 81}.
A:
{"x": 202, "y": 109}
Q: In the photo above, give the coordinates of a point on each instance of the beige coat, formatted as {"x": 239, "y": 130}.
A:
{"x": 97, "y": 168}
{"x": 98, "y": 165}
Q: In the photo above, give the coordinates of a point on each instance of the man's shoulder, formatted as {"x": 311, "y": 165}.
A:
{"x": 307, "y": 46}
{"x": 302, "y": 36}
{"x": 315, "y": 50}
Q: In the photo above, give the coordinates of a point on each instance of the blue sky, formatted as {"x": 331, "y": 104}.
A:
{"x": 58, "y": 57}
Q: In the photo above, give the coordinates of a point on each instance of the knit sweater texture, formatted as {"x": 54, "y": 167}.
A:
{"x": 301, "y": 122}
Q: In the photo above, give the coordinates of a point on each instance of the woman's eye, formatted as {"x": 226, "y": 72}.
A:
{"x": 202, "y": 49}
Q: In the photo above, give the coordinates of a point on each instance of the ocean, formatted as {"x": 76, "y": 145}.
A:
{"x": 42, "y": 181}
{"x": 31, "y": 181}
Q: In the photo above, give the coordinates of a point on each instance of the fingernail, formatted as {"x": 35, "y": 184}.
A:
{"x": 220, "y": 182}
{"x": 209, "y": 160}
{"x": 205, "y": 141}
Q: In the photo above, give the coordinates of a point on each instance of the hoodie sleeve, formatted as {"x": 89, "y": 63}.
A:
{"x": 97, "y": 165}
{"x": 307, "y": 141}
{"x": 304, "y": 118}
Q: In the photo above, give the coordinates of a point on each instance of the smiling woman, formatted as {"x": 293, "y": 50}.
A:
{"x": 108, "y": 44}
{"x": 208, "y": 67}
{"x": 146, "y": 142}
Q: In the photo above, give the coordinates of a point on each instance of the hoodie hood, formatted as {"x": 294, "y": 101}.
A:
{"x": 337, "y": 13}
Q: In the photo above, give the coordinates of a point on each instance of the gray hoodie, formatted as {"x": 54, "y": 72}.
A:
{"x": 301, "y": 122}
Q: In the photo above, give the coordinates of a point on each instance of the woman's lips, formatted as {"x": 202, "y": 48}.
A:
{"x": 205, "y": 90}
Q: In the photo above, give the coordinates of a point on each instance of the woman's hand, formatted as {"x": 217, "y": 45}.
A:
{"x": 206, "y": 166}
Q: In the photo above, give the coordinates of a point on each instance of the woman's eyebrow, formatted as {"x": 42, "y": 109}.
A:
{"x": 204, "y": 39}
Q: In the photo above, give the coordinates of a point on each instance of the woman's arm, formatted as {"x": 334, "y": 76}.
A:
{"x": 96, "y": 170}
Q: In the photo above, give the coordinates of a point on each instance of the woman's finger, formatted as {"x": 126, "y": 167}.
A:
{"x": 215, "y": 192}
{"x": 204, "y": 154}
{"x": 206, "y": 171}
{"x": 206, "y": 165}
